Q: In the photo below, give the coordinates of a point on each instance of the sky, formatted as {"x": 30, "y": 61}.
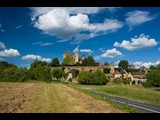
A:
{"x": 107, "y": 33}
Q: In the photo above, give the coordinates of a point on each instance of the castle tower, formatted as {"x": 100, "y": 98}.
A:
{"x": 76, "y": 56}
{"x": 66, "y": 53}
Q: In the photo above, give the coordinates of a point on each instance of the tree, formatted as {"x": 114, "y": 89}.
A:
{"x": 68, "y": 60}
{"x": 106, "y": 70}
{"x": 55, "y": 62}
{"x": 57, "y": 73}
{"x": 123, "y": 64}
{"x": 106, "y": 64}
{"x": 89, "y": 61}
{"x": 96, "y": 78}
{"x": 39, "y": 71}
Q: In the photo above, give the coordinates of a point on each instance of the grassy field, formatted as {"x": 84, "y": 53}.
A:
{"x": 133, "y": 92}
{"x": 50, "y": 98}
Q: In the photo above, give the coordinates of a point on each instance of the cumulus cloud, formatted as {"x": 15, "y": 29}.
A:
{"x": 146, "y": 64}
{"x": 76, "y": 49}
{"x": 86, "y": 50}
{"x": 143, "y": 41}
{"x": 33, "y": 57}
{"x": 97, "y": 57}
{"x": 60, "y": 23}
{"x": 137, "y": 17}
{"x": 36, "y": 11}
{"x": 10, "y": 53}
{"x": 111, "y": 53}
{"x": 2, "y": 46}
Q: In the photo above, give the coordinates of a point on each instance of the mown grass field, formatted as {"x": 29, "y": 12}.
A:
{"x": 49, "y": 98}
{"x": 132, "y": 92}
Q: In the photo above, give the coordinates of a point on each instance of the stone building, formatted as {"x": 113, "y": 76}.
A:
{"x": 75, "y": 56}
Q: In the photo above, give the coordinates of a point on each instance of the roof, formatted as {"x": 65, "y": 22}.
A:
{"x": 138, "y": 73}
{"x": 100, "y": 66}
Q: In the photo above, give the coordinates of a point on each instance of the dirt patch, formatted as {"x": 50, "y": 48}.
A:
{"x": 14, "y": 95}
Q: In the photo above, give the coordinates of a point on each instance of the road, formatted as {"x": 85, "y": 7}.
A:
{"x": 142, "y": 107}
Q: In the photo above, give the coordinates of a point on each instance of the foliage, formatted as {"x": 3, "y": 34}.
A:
{"x": 89, "y": 61}
{"x": 39, "y": 71}
{"x": 126, "y": 81}
{"x": 68, "y": 60}
{"x": 106, "y": 70}
{"x": 55, "y": 62}
{"x": 57, "y": 73}
{"x": 123, "y": 64}
{"x": 117, "y": 81}
{"x": 153, "y": 79}
{"x": 75, "y": 72}
{"x": 131, "y": 70}
{"x": 133, "y": 82}
{"x": 96, "y": 78}
{"x": 106, "y": 63}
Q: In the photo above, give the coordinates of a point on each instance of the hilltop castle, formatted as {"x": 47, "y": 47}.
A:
{"x": 75, "y": 56}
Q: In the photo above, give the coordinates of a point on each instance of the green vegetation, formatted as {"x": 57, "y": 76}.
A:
{"x": 106, "y": 63}
{"x": 153, "y": 77}
{"x": 96, "y": 78}
{"x": 55, "y": 62}
{"x": 68, "y": 60}
{"x": 89, "y": 61}
{"x": 106, "y": 70}
{"x": 57, "y": 73}
{"x": 131, "y": 92}
{"x": 123, "y": 64}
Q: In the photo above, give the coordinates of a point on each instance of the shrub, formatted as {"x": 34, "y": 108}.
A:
{"x": 57, "y": 73}
{"x": 117, "y": 81}
{"x": 96, "y": 78}
{"x": 126, "y": 81}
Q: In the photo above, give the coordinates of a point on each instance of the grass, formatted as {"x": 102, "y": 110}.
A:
{"x": 124, "y": 108}
{"x": 49, "y": 98}
{"x": 132, "y": 92}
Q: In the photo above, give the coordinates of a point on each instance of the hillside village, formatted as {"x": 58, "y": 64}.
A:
{"x": 135, "y": 76}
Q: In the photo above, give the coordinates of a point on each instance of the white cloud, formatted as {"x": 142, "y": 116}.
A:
{"x": 158, "y": 49}
{"x": 137, "y": 17}
{"x": 97, "y": 57}
{"x": 33, "y": 57}
{"x": 18, "y": 27}
{"x": 146, "y": 64}
{"x": 86, "y": 50}
{"x": 76, "y": 49}
{"x": 111, "y": 53}
{"x": 1, "y": 59}
{"x": 45, "y": 44}
{"x": 143, "y": 41}
{"x": 102, "y": 49}
{"x": 2, "y": 46}
{"x": 58, "y": 22}
{"x": 10, "y": 53}
{"x": 36, "y": 11}
{"x": 42, "y": 43}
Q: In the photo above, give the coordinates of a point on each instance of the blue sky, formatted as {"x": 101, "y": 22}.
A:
{"x": 107, "y": 33}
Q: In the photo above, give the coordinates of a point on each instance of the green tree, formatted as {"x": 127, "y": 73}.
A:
{"x": 123, "y": 65}
{"x": 39, "y": 71}
{"x": 68, "y": 60}
{"x": 106, "y": 70}
{"x": 96, "y": 78}
{"x": 55, "y": 62}
{"x": 57, "y": 73}
{"x": 89, "y": 61}
{"x": 106, "y": 63}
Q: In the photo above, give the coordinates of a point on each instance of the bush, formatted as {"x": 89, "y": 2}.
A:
{"x": 117, "y": 81}
{"x": 57, "y": 73}
{"x": 96, "y": 78}
{"x": 139, "y": 82}
{"x": 126, "y": 81}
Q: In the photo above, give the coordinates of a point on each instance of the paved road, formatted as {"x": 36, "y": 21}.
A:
{"x": 143, "y": 107}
